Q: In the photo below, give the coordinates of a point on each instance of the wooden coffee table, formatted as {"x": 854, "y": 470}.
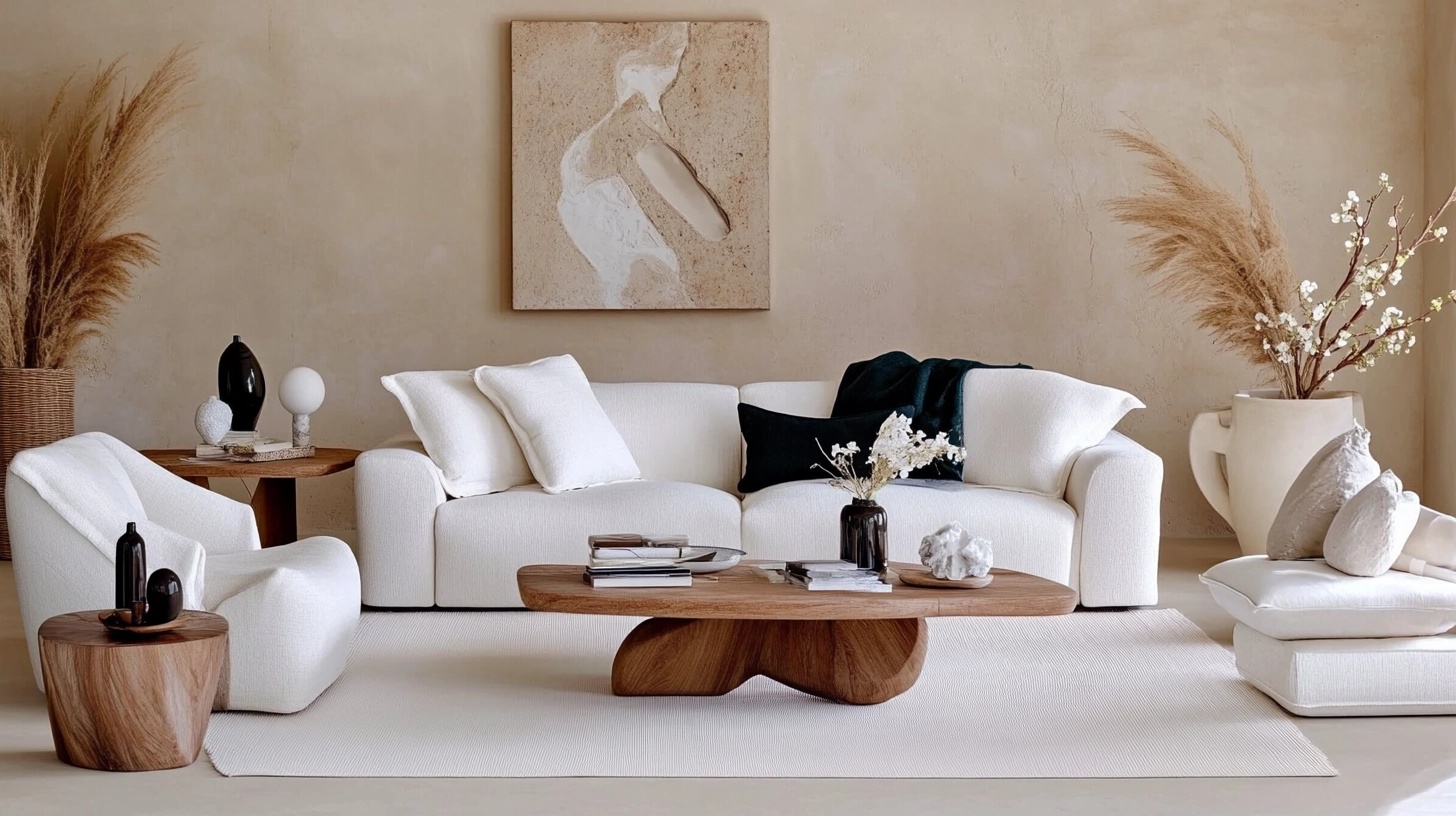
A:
{"x": 849, "y": 647}
{"x": 275, "y": 499}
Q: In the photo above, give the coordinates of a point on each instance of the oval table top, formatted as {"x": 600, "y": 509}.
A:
{"x": 744, "y": 593}
{"x": 322, "y": 463}
{"x": 85, "y": 629}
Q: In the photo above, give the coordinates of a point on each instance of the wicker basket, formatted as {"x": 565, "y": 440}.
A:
{"x": 37, "y": 407}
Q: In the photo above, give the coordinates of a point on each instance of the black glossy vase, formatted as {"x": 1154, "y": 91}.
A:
{"x": 164, "y": 597}
{"x": 131, "y": 573}
{"x": 863, "y": 534}
{"x": 240, "y": 384}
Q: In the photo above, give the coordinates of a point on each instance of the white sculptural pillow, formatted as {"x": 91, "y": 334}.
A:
{"x": 567, "y": 438}
{"x": 463, "y": 433}
{"x": 1024, "y": 428}
{"x": 1336, "y": 472}
{"x": 1368, "y": 533}
{"x": 1431, "y": 548}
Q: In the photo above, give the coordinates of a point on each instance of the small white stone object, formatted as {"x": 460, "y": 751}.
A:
{"x": 213, "y": 419}
{"x": 952, "y": 553}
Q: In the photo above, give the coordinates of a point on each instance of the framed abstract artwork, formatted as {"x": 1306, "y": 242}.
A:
{"x": 639, "y": 165}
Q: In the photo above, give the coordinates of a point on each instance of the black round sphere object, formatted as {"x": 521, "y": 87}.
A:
{"x": 164, "y": 597}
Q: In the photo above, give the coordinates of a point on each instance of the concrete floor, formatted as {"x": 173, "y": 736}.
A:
{"x": 1402, "y": 766}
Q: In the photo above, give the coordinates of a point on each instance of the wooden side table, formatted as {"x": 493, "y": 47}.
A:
{"x": 275, "y": 501}
{"x": 120, "y": 702}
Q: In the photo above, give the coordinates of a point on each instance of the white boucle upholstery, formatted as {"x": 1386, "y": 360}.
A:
{"x": 1116, "y": 491}
{"x": 807, "y": 398}
{"x": 418, "y": 549}
{"x": 66, "y": 504}
{"x": 481, "y": 541}
{"x": 396, "y": 492}
{"x": 801, "y": 520}
{"x": 1357, "y": 677}
{"x": 678, "y": 432}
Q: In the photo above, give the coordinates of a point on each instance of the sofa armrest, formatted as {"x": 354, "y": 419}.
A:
{"x": 1116, "y": 489}
{"x": 397, "y": 489}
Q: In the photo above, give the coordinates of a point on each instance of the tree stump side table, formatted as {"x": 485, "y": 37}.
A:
{"x": 121, "y": 702}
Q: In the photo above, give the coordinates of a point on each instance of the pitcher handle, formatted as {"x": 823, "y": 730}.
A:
{"x": 1208, "y": 441}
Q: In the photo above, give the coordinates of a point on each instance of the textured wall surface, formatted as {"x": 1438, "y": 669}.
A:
{"x": 340, "y": 196}
{"x": 1440, "y": 259}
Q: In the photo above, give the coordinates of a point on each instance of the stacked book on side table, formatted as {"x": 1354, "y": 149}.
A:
{"x": 631, "y": 560}
{"x": 249, "y": 446}
{"x": 839, "y": 576}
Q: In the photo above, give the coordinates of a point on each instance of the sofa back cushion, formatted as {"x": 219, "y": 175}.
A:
{"x": 805, "y": 398}
{"x": 678, "y": 432}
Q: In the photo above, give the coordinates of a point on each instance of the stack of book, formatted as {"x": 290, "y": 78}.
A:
{"x": 632, "y": 560}
{"x": 838, "y": 576}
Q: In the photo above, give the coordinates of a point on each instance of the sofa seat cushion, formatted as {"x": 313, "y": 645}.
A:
{"x": 1028, "y": 533}
{"x": 481, "y": 541}
{"x": 1298, "y": 600}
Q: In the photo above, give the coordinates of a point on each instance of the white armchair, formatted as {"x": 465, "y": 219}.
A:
{"x": 291, "y": 610}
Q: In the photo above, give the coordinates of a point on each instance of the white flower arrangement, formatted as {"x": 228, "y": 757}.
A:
{"x": 1309, "y": 348}
{"x": 896, "y": 451}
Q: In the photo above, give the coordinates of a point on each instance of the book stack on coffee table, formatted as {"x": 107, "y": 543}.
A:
{"x": 840, "y": 576}
{"x": 633, "y": 560}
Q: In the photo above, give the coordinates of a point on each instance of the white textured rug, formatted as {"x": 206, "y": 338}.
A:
{"x": 1092, "y": 694}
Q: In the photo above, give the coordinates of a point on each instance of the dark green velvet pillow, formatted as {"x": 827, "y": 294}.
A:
{"x": 785, "y": 448}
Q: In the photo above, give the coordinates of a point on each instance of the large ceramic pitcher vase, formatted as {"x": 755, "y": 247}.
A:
{"x": 1246, "y": 456}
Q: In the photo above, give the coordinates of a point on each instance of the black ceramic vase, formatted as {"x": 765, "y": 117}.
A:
{"x": 131, "y": 573}
{"x": 164, "y": 597}
{"x": 863, "y": 534}
{"x": 240, "y": 384}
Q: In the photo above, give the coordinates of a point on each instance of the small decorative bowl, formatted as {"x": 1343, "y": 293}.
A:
{"x": 921, "y": 577}
{"x": 702, "y": 560}
{"x": 112, "y": 622}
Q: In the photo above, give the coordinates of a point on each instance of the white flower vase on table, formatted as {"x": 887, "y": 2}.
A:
{"x": 1232, "y": 264}
{"x": 1246, "y": 456}
{"x": 864, "y": 537}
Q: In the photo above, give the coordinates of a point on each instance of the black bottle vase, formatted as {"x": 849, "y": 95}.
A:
{"x": 164, "y": 597}
{"x": 131, "y": 573}
{"x": 863, "y": 534}
{"x": 240, "y": 384}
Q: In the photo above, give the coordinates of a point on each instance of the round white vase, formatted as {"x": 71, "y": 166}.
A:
{"x": 1246, "y": 456}
{"x": 213, "y": 419}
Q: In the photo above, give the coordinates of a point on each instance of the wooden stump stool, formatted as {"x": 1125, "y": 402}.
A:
{"x": 121, "y": 702}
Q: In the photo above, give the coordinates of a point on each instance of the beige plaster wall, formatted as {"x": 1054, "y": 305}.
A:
{"x": 339, "y": 195}
{"x": 1440, "y": 260}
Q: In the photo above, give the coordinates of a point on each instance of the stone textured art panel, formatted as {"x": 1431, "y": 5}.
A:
{"x": 639, "y": 161}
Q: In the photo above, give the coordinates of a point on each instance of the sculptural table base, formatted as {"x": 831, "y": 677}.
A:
{"x": 860, "y": 662}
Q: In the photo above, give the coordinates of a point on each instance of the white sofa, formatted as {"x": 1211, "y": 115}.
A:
{"x": 291, "y": 610}
{"x": 419, "y": 548}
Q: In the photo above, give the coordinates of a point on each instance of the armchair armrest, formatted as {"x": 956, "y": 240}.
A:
{"x": 397, "y": 489}
{"x": 1116, "y": 488}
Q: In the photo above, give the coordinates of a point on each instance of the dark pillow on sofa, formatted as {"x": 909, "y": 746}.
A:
{"x": 785, "y": 448}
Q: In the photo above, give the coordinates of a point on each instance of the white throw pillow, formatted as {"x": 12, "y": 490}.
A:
{"x": 463, "y": 433}
{"x": 1298, "y": 600}
{"x": 1336, "y": 472}
{"x": 1431, "y": 548}
{"x": 1024, "y": 428}
{"x": 1369, "y": 531}
{"x": 563, "y": 431}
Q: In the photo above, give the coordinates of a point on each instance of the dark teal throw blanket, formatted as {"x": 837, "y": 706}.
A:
{"x": 933, "y": 386}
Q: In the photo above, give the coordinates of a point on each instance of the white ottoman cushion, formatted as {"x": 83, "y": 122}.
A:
{"x": 1369, "y": 677}
{"x": 1295, "y": 600}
